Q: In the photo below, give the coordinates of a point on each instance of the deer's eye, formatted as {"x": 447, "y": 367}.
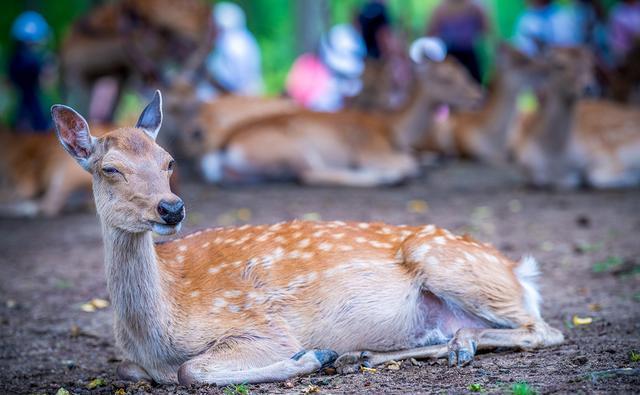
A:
{"x": 171, "y": 165}
{"x": 110, "y": 170}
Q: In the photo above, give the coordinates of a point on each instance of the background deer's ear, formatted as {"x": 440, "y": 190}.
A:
{"x": 427, "y": 49}
{"x": 151, "y": 118}
{"x": 73, "y": 132}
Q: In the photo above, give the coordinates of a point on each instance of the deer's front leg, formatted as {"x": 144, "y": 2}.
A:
{"x": 131, "y": 371}
{"x": 209, "y": 368}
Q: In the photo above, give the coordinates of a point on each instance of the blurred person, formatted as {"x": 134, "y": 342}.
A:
{"x": 27, "y": 64}
{"x": 547, "y": 23}
{"x": 375, "y": 27}
{"x": 235, "y": 63}
{"x": 624, "y": 25}
{"x": 460, "y": 24}
{"x": 321, "y": 81}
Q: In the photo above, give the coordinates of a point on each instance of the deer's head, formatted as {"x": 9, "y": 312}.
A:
{"x": 442, "y": 77}
{"x": 130, "y": 171}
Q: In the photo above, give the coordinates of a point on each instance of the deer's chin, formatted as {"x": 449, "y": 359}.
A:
{"x": 164, "y": 229}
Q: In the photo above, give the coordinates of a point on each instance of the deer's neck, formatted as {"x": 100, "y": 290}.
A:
{"x": 411, "y": 122}
{"x": 499, "y": 112}
{"x": 554, "y": 122}
{"x": 142, "y": 306}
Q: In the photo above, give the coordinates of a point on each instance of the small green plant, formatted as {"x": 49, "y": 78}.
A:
{"x": 607, "y": 264}
{"x": 634, "y": 356}
{"x": 475, "y": 387}
{"x": 522, "y": 388}
{"x": 236, "y": 389}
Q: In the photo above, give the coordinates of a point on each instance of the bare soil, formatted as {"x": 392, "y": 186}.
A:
{"x": 587, "y": 242}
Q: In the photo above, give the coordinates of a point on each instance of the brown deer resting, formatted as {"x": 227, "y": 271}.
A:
{"x": 345, "y": 148}
{"x": 40, "y": 173}
{"x": 265, "y": 303}
{"x": 571, "y": 141}
{"x": 483, "y": 133}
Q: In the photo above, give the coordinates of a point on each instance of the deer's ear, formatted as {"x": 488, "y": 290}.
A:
{"x": 428, "y": 49}
{"x": 73, "y": 133}
{"x": 151, "y": 118}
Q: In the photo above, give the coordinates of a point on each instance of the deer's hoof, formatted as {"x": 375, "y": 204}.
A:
{"x": 352, "y": 361}
{"x": 462, "y": 349}
{"x": 130, "y": 371}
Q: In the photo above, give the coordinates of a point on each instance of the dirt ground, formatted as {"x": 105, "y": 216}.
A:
{"x": 587, "y": 242}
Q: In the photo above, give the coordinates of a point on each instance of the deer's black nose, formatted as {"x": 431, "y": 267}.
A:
{"x": 172, "y": 213}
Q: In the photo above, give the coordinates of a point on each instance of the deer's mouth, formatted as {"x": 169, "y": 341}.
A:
{"x": 165, "y": 229}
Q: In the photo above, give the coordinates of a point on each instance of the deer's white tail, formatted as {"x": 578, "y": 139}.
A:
{"x": 527, "y": 273}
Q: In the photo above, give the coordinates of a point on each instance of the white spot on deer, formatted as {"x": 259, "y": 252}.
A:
{"x": 296, "y": 235}
{"x": 180, "y": 258}
{"x": 385, "y": 231}
{"x": 307, "y": 255}
{"x": 213, "y": 270}
{"x": 302, "y": 280}
{"x": 234, "y": 308}
{"x": 232, "y": 294}
{"x": 361, "y": 240}
{"x": 345, "y": 248}
{"x": 491, "y": 258}
{"x": 280, "y": 239}
{"x": 378, "y": 244}
{"x": 219, "y": 302}
{"x": 295, "y": 254}
{"x": 469, "y": 257}
{"x": 194, "y": 294}
{"x": 440, "y": 240}
{"x": 363, "y": 225}
{"x": 218, "y": 240}
{"x": 278, "y": 253}
{"x": 338, "y": 236}
{"x": 236, "y": 263}
{"x": 276, "y": 226}
{"x": 205, "y": 245}
{"x": 339, "y": 223}
{"x": 405, "y": 233}
{"x": 427, "y": 229}
{"x": 182, "y": 248}
{"x": 319, "y": 233}
{"x": 264, "y": 237}
{"x": 419, "y": 253}
{"x": 229, "y": 241}
{"x": 244, "y": 227}
{"x": 325, "y": 246}
{"x": 432, "y": 260}
{"x": 304, "y": 243}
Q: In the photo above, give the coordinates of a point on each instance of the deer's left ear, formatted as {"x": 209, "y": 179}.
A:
{"x": 151, "y": 118}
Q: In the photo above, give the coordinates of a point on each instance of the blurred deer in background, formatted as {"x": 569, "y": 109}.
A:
{"x": 483, "y": 134}
{"x": 266, "y": 303}
{"x": 133, "y": 38}
{"x": 42, "y": 176}
{"x": 348, "y": 147}
{"x": 571, "y": 141}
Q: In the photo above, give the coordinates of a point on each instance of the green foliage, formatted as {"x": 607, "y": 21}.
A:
{"x": 522, "y": 388}
{"x": 607, "y": 264}
{"x": 236, "y": 389}
{"x": 475, "y": 387}
{"x": 634, "y": 356}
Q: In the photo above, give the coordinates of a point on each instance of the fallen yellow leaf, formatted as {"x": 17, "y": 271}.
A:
{"x": 581, "y": 320}
{"x": 243, "y": 214}
{"x": 365, "y": 369}
{"x": 88, "y": 308}
{"x": 417, "y": 206}
{"x": 99, "y": 303}
{"x": 311, "y": 389}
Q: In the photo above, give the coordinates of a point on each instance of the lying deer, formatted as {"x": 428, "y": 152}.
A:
{"x": 40, "y": 173}
{"x": 483, "y": 133}
{"x": 570, "y": 141}
{"x": 348, "y": 147}
{"x": 265, "y": 303}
